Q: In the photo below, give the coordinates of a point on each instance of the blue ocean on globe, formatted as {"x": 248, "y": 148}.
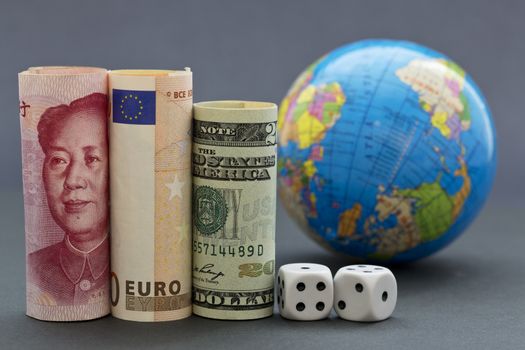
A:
{"x": 387, "y": 150}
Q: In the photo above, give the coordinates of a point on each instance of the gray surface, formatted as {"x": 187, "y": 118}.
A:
{"x": 469, "y": 295}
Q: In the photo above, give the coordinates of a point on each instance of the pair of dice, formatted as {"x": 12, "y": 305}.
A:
{"x": 357, "y": 292}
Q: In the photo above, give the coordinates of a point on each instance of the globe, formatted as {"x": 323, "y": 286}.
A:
{"x": 386, "y": 151}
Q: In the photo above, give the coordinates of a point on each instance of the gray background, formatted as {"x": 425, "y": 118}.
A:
{"x": 470, "y": 294}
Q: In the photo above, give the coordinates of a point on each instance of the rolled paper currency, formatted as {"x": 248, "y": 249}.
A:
{"x": 63, "y": 120}
{"x": 150, "y": 146}
{"x": 234, "y": 177}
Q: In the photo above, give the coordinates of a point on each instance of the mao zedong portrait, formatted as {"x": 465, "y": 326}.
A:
{"x": 73, "y": 138}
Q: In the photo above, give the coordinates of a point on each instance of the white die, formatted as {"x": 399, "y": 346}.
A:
{"x": 364, "y": 293}
{"x": 306, "y": 291}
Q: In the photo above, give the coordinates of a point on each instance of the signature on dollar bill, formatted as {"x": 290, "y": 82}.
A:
{"x": 207, "y": 270}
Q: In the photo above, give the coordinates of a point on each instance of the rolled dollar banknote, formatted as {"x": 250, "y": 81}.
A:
{"x": 234, "y": 177}
{"x": 150, "y": 147}
{"x": 63, "y": 119}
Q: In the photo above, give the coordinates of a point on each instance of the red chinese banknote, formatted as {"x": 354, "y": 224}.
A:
{"x": 63, "y": 120}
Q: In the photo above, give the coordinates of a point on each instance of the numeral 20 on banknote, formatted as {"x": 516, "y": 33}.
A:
{"x": 257, "y": 269}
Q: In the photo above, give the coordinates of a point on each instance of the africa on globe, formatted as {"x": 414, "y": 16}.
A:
{"x": 387, "y": 150}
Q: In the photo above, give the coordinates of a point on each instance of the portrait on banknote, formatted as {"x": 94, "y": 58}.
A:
{"x": 74, "y": 147}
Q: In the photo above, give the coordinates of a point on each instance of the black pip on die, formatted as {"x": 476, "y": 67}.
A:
{"x": 364, "y": 293}
{"x": 305, "y": 291}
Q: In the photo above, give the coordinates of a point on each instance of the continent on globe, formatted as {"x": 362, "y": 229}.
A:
{"x": 439, "y": 84}
{"x": 311, "y": 113}
{"x": 394, "y": 239}
{"x": 297, "y": 177}
{"x": 423, "y": 214}
{"x": 348, "y": 221}
{"x": 300, "y": 83}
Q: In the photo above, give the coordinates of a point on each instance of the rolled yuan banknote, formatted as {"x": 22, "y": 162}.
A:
{"x": 63, "y": 120}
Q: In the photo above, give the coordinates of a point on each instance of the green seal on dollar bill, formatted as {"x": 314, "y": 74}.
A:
{"x": 209, "y": 210}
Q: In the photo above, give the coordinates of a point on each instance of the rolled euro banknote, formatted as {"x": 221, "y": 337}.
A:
{"x": 150, "y": 151}
{"x": 63, "y": 120}
{"x": 234, "y": 177}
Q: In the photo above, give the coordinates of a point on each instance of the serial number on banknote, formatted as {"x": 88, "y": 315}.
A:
{"x": 221, "y": 250}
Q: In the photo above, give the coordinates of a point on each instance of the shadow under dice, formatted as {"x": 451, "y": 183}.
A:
{"x": 364, "y": 293}
{"x": 305, "y": 291}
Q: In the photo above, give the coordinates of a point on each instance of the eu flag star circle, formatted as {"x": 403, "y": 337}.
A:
{"x": 131, "y": 103}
